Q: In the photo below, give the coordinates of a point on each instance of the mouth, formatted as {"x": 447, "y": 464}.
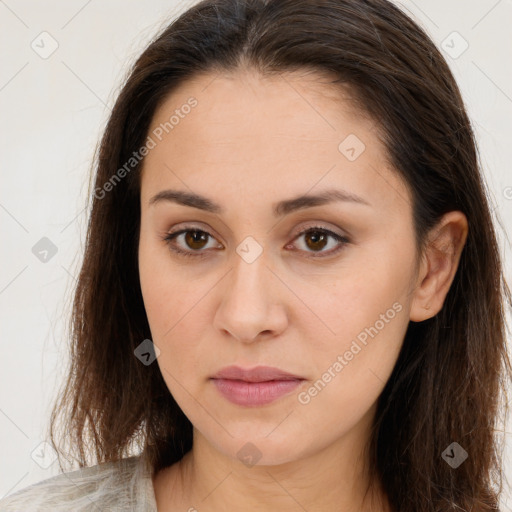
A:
{"x": 255, "y": 387}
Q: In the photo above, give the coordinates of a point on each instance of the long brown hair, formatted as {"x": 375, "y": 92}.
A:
{"x": 452, "y": 369}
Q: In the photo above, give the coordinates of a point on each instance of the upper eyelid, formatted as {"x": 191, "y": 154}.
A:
{"x": 330, "y": 232}
{"x": 318, "y": 224}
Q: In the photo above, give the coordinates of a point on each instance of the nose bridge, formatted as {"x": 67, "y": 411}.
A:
{"x": 247, "y": 279}
{"x": 250, "y": 261}
{"x": 248, "y": 305}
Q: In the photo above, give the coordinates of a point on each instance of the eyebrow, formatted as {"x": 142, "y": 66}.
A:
{"x": 280, "y": 209}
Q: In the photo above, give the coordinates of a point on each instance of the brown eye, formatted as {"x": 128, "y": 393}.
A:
{"x": 196, "y": 239}
{"x": 316, "y": 240}
{"x": 189, "y": 242}
{"x": 194, "y": 242}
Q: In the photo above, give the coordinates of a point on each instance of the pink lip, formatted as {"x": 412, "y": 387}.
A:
{"x": 256, "y": 386}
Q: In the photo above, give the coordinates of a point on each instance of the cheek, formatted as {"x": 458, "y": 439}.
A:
{"x": 166, "y": 293}
{"x": 367, "y": 313}
{"x": 354, "y": 364}
{"x": 366, "y": 298}
{"x": 175, "y": 308}
{"x": 353, "y": 371}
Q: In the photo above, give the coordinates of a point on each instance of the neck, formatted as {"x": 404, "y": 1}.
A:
{"x": 329, "y": 480}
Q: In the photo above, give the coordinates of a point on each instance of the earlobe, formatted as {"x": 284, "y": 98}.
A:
{"x": 439, "y": 264}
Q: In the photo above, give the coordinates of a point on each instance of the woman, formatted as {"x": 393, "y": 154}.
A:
{"x": 291, "y": 295}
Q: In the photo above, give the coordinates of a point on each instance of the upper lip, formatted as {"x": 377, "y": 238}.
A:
{"x": 257, "y": 374}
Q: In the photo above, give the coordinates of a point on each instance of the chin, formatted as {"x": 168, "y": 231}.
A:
{"x": 260, "y": 450}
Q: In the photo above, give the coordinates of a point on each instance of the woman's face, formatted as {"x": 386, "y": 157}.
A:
{"x": 256, "y": 285}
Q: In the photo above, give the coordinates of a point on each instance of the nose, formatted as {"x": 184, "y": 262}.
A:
{"x": 252, "y": 306}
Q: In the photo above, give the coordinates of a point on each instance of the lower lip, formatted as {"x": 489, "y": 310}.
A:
{"x": 255, "y": 393}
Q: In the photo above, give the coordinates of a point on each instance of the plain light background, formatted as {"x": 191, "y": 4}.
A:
{"x": 53, "y": 110}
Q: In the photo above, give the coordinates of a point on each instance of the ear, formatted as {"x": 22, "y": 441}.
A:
{"x": 438, "y": 265}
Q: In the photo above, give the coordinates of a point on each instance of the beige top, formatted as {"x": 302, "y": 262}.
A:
{"x": 125, "y": 485}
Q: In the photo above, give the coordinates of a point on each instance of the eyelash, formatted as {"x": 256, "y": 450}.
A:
{"x": 200, "y": 254}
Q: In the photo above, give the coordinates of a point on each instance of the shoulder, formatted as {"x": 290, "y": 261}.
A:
{"x": 110, "y": 486}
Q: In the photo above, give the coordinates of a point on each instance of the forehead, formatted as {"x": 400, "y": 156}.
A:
{"x": 266, "y": 135}
{"x": 304, "y": 102}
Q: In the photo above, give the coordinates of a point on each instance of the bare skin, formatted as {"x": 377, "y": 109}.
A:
{"x": 249, "y": 143}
